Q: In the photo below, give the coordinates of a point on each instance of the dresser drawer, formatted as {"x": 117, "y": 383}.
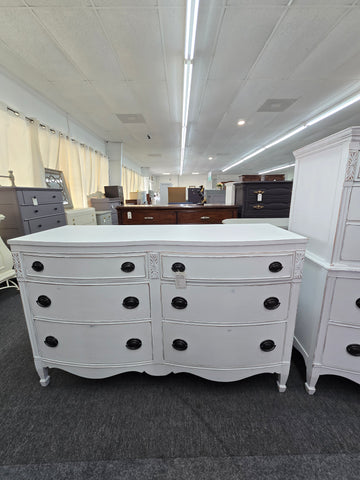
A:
{"x": 35, "y": 211}
{"x": 94, "y": 344}
{"x": 147, "y": 216}
{"x": 206, "y": 215}
{"x": 242, "y": 304}
{"x": 345, "y": 307}
{"x": 44, "y": 223}
{"x": 85, "y": 267}
{"x": 339, "y": 340}
{"x": 37, "y": 197}
{"x": 354, "y": 204}
{"x": 90, "y": 303}
{"x": 222, "y": 267}
{"x": 223, "y": 347}
{"x": 269, "y": 210}
{"x": 350, "y": 249}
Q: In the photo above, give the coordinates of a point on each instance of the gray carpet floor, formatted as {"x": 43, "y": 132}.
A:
{"x": 134, "y": 426}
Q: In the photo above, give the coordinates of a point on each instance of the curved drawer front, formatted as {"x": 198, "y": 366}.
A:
{"x": 354, "y": 205}
{"x": 223, "y": 347}
{"x": 345, "y": 307}
{"x": 89, "y": 303}
{"x": 93, "y": 344}
{"x": 350, "y": 249}
{"x": 242, "y": 304}
{"x": 117, "y": 266}
{"x": 217, "y": 268}
{"x": 335, "y": 354}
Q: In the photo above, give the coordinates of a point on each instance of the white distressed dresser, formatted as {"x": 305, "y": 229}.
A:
{"x": 326, "y": 208}
{"x": 218, "y": 301}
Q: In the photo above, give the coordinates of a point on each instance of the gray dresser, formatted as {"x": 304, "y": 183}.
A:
{"x": 105, "y": 204}
{"x": 30, "y": 210}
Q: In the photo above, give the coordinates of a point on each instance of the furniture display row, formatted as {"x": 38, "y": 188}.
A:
{"x": 171, "y": 214}
{"x": 30, "y": 210}
{"x": 326, "y": 209}
{"x": 218, "y": 301}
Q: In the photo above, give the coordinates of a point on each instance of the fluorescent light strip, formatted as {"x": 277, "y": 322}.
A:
{"x": 192, "y": 9}
{"x": 186, "y": 92}
{"x": 277, "y": 168}
{"x": 315, "y": 120}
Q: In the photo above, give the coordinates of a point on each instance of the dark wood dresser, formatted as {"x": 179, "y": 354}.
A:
{"x": 171, "y": 214}
{"x": 263, "y": 199}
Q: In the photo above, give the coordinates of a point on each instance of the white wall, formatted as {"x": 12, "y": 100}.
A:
{"x": 18, "y": 96}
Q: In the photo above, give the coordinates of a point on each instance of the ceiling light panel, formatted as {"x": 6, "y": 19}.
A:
{"x": 276, "y": 104}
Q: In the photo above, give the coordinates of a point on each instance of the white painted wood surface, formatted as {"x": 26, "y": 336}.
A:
{"x": 225, "y": 282}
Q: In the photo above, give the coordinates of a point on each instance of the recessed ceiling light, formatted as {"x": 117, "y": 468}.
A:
{"x": 195, "y": 173}
{"x": 241, "y": 123}
{"x": 210, "y": 158}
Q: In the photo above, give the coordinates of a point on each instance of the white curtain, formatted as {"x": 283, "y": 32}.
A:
{"x": 28, "y": 148}
{"x": 131, "y": 182}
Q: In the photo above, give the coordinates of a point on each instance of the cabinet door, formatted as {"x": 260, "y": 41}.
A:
{"x": 223, "y": 347}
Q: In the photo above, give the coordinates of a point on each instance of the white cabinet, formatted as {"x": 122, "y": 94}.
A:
{"x": 80, "y": 216}
{"x": 218, "y": 301}
{"x": 326, "y": 208}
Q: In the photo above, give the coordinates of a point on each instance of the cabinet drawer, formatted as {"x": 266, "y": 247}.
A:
{"x": 242, "y": 304}
{"x": 35, "y": 211}
{"x": 44, "y": 223}
{"x": 354, "y": 204}
{"x": 217, "y": 268}
{"x": 94, "y": 344}
{"x": 144, "y": 217}
{"x": 270, "y": 210}
{"x": 89, "y": 303}
{"x": 114, "y": 266}
{"x": 338, "y": 339}
{"x": 206, "y": 215}
{"x": 37, "y": 197}
{"x": 222, "y": 347}
{"x": 345, "y": 307}
{"x": 350, "y": 249}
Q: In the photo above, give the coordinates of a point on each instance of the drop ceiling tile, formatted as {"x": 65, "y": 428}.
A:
{"x": 11, "y": 3}
{"x": 124, "y": 3}
{"x": 118, "y": 95}
{"x": 58, "y": 3}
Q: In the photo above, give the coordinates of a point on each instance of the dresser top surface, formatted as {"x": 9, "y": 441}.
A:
{"x": 124, "y": 235}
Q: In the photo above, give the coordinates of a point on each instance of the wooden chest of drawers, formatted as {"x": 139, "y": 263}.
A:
{"x": 328, "y": 324}
{"x": 263, "y": 199}
{"x": 218, "y": 301}
{"x": 30, "y": 210}
{"x": 165, "y": 214}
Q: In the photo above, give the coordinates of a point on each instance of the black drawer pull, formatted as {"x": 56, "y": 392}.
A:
{"x": 267, "y": 345}
{"x": 179, "y": 344}
{"x": 271, "y": 303}
{"x": 58, "y": 221}
{"x": 130, "y": 302}
{"x": 133, "y": 343}
{"x": 37, "y": 266}
{"x": 39, "y": 226}
{"x": 357, "y": 303}
{"x": 275, "y": 267}
{"x": 43, "y": 301}
{"x": 51, "y": 341}
{"x": 354, "y": 349}
{"x": 36, "y": 211}
{"x": 55, "y": 208}
{"x": 54, "y": 196}
{"x": 127, "y": 267}
{"x": 178, "y": 267}
{"x": 179, "y": 303}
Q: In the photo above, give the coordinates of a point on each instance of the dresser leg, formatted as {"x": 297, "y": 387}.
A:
{"x": 311, "y": 378}
{"x": 43, "y": 373}
{"x": 281, "y": 381}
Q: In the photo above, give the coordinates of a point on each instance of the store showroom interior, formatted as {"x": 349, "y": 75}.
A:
{"x": 180, "y": 239}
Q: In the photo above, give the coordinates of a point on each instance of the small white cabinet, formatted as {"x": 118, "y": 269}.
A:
{"x": 218, "y": 301}
{"x": 326, "y": 208}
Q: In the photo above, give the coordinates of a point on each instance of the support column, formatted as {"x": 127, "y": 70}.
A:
{"x": 114, "y": 151}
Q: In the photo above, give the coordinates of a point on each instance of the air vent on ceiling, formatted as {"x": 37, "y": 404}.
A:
{"x": 154, "y": 154}
{"x": 276, "y": 104}
{"x": 130, "y": 117}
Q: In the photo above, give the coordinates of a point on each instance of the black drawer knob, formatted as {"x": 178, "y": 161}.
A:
{"x": 36, "y": 211}
{"x": 51, "y": 341}
{"x": 275, "y": 267}
{"x": 357, "y": 303}
{"x": 267, "y": 345}
{"x": 58, "y": 221}
{"x": 133, "y": 343}
{"x": 55, "y": 208}
{"x": 178, "y": 267}
{"x": 354, "y": 349}
{"x": 37, "y": 266}
{"x": 179, "y": 303}
{"x": 179, "y": 344}
{"x": 271, "y": 303}
{"x": 130, "y": 302}
{"x": 127, "y": 267}
{"x": 39, "y": 226}
{"x": 43, "y": 301}
{"x": 54, "y": 196}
